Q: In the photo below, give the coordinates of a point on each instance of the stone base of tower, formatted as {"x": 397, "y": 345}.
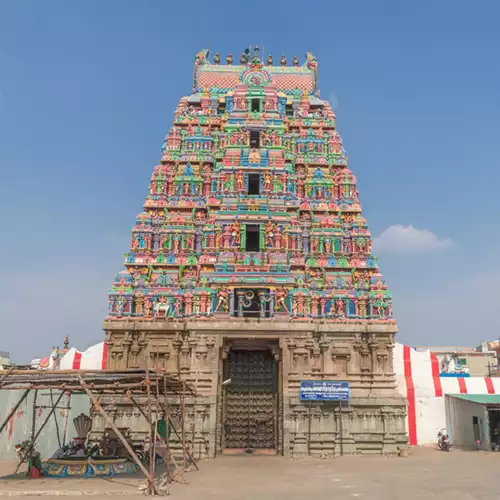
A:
{"x": 260, "y": 408}
{"x": 365, "y": 426}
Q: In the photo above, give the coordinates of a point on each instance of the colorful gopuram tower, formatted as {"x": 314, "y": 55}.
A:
{"x": 251, "y": 261}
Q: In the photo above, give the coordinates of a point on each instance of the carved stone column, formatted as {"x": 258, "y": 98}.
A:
{"x": 241, "y": 296}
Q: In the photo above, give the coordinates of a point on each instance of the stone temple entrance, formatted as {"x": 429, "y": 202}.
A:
{"x": 250, "y": 401}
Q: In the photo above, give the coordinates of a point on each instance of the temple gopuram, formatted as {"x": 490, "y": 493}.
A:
{"x": 251, "y": 270}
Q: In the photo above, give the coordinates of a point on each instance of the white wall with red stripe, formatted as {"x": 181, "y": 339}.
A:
{"x": 417, "y": 375}
{"x": 418, "y": 380}
{"x": 94, "y": 358}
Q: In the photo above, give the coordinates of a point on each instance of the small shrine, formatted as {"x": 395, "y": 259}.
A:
{"x": 115, "y": 451}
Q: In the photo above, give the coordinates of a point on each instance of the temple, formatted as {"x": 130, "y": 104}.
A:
{"x": 251, "y": 269}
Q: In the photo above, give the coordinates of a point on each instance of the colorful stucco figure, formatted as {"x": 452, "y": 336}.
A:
{"x": 253, "y": 178}
{"x": 252, "y": 259}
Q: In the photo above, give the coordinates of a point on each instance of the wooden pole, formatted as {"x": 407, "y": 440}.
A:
{"x": 66, "y": 387}
{"x": 55, "y": 417}
{"x": 136, "y": 404}
{"x": 156, "y": 422}
{"x": 166, "y": 417}
{"x": 309, "y": 431}
{"x": 34, "y": 437}
{"x": 9, "y": 371}
{"x": 183, "y": 415}
{"x": 100, "y": 409}
{"x": 193, "y": 436}
{"x": 66, "y": 419}
{"x": 179, "y": 437}
{"x": 341, "y": 430}
{"x": 164, "y": 441}
{"x": 153, "y": 465}
{"x": 148, "y": 392}
{"x": 33, "y": 422}
{"x": 18, "y": 404}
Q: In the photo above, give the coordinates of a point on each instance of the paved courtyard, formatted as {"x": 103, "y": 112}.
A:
{"x": 426, "y": 474}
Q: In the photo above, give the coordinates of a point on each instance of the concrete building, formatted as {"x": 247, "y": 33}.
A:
{"x": 463, "y": 359}
{"x": 4, "y": 359}
{"x": 473, "y": 420}
{"x": 494, "y": 346}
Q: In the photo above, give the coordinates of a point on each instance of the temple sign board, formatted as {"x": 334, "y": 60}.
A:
{"x": 324, "y": 390}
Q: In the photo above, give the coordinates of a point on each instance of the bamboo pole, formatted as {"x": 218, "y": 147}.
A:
{"x": 5, "y": 375}
{"x": 166, "y": 417}
{"x": 72, "y": 388}
{"x": 33, "y": 422}
{"x": 183, "y": 433}
{"x": 164, "y": 441}
{"x": 193, "y": 461}
{"x": 97, "y": 405}
{"x": 66, "y": 419}
{"x": 34, "y": 436}
{"x": 148, "y": 392}
{"x": 155, "y": 433}
{"x": 55, "y": 417}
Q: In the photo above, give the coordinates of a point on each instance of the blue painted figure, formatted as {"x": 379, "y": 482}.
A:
{"x": 188, "y": 170}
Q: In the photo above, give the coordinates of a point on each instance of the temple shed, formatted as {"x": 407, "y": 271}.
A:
{"x": 151, "y": 387}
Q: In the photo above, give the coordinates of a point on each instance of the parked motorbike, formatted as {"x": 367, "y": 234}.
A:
{"x": 443, "y": 440}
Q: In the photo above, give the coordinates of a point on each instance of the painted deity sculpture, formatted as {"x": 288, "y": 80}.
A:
{"x": 253, "y": 183}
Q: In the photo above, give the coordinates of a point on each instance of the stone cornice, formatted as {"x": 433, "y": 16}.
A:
{"x": 245, "y": 328}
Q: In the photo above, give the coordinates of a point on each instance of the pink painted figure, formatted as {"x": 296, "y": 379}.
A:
{"x": 340, "y": 308}
{"x": 327, "y": 245}
{"x": 236, "y": 232}
{"x": 240, "y": 181}
{"x": 227, "y": 235}
{"x": 266, "y": 186}
{"x": 281, "y": 294}
{"x": 270, "y": 233}
{"x": 223, "y": 295}
{"x": 148, "y": 306}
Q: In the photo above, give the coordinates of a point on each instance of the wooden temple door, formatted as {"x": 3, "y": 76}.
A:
{"x": 250, "y": 400}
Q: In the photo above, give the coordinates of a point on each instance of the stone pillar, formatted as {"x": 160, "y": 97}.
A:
{"x": 240, "y": 303}
{"x": 262, "y": 304}
{"x": 231, "y": 303}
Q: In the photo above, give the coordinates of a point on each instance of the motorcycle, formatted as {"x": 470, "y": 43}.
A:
{"x": 443, "y": 440}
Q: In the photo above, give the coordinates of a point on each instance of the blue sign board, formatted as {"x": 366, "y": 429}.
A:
{"x": 324, "y": 390}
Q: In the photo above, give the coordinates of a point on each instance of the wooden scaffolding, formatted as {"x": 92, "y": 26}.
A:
{"x": 156, "y": 387}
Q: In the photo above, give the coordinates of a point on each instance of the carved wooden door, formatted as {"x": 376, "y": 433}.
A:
{"x": 250, "y": 400}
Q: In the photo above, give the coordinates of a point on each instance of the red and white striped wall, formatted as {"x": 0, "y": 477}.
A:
{"x": 417, "y": 374}
{"x": 94, "y": 358}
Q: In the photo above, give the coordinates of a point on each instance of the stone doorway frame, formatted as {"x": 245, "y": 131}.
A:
{"x": 245, "y": 343}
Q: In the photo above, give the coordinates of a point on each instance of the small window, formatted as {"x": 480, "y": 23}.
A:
{"x": 252, "y": 238}
{"x": 256, "y": 105}
{"x": 289, "y": 110}
{"x": 254, "y": 139}
{"x": 253, "y": 303}
{"x": 253, "y": 184}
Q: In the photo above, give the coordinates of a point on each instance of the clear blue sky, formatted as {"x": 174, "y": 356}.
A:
{"x": 87, "y": 92}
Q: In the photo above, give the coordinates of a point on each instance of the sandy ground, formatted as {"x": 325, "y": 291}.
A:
{"x": 425, "y": 475}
